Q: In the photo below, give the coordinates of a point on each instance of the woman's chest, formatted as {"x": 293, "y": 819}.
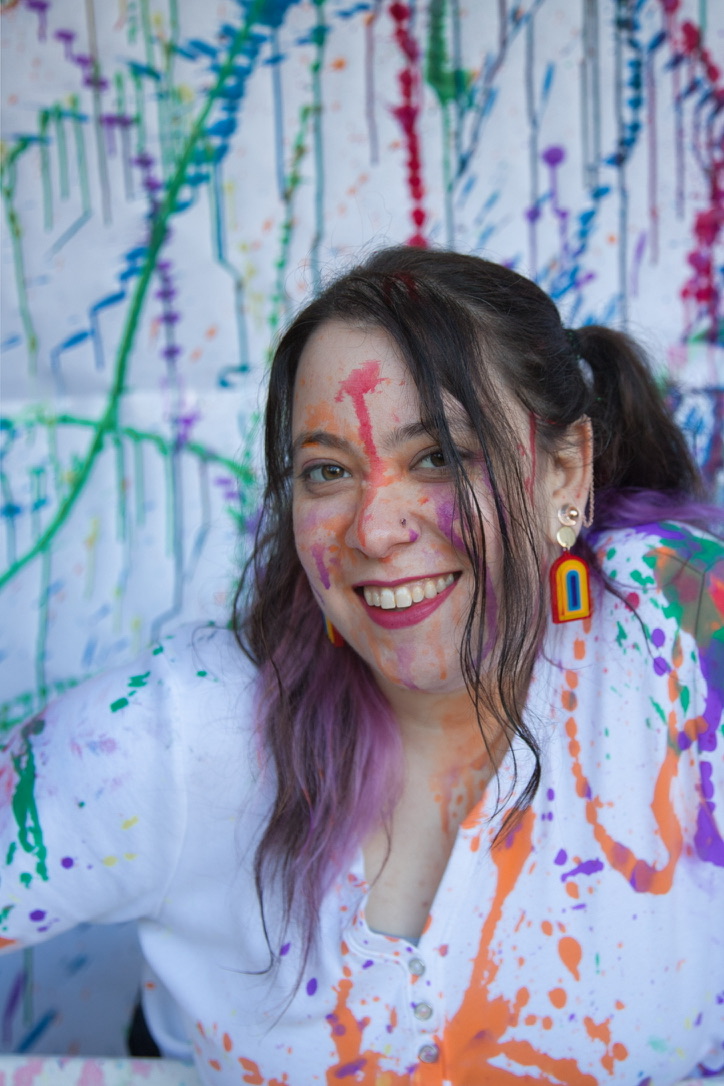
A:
{"x": 539, "y": 958}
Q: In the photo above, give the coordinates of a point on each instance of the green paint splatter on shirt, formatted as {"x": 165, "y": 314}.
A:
{"x": 26, "y": 878}
{"x": 685, "y": 697}
{"x": 30, "y": 834}
{"x": 658, "y": 709}
{"x": 120, "y": 703}
{"x": 681, "y": 567}
{"x": 159, "y": 648}
{"x": 5, "y": 913}
{"x": 639, "y": 578}
{"x": 11, "y": 853}
{"x": 621, "y": 636}
{"x": 137, "y": 681}
{"x": 202, "y": 674}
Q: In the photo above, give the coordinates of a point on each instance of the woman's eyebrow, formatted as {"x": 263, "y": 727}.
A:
{"x": 396, "y": 437}
{"x": 321, "y": 437}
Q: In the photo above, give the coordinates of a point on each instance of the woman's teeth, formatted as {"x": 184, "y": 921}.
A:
{"x": 407, "y": 594}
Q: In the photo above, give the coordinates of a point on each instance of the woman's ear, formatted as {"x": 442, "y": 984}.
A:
{"x": 571, "y": 473}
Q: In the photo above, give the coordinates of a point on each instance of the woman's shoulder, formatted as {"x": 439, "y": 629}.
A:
{"x": 192, "y": 690}
{"x": 671, "y": 568}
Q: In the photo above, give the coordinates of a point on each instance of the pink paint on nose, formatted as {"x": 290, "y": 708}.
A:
{"x": 318, "y": 556}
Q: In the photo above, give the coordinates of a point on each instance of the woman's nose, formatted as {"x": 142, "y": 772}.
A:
{"x": 382, "y": 521}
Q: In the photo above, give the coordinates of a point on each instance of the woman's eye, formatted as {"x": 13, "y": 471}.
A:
{"x": 434, "y": 459}
{"x": 325, "y": 473}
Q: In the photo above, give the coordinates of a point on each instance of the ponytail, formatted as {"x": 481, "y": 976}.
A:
{"x": 637, "y": 444}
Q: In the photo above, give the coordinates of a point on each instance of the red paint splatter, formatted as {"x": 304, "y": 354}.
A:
{"x": 407, "y": 114}
{"x": 360, "y": 383}
{"x": 702, "y": 290}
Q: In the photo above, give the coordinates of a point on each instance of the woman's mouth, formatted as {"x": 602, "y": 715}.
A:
{"x": 405, "y": 595}
{"x": 406, "y": 604}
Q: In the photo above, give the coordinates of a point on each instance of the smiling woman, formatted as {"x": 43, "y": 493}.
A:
{"x": 458, "y": 822}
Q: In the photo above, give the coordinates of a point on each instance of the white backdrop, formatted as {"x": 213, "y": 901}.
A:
{"x": 178, "y": 177}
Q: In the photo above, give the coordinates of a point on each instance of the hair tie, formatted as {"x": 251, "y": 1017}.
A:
{"x": 574, "y": 341}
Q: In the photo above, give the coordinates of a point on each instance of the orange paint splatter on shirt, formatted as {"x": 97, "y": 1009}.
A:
{"x": 558, "y": 997}
{"x": 570, "y": 952}
{"x": 643, "y": 876}
{"x": 477, "y": 1033}
{"x": 602, "y": 1032}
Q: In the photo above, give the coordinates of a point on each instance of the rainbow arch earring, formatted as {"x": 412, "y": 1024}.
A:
{"x": 569, "y": 574}
{"x": 333, "y": 634}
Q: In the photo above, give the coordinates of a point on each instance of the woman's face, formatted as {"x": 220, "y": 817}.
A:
{"x": 375, "y": 520}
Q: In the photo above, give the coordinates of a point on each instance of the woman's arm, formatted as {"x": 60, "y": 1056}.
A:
{"x": 92, "y": 803}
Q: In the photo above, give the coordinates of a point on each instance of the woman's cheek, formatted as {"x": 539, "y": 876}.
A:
{"x": 317, "y": 537}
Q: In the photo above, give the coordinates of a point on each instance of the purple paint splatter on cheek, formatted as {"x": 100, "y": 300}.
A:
{"x": 318, "y": 556}
{"x": 414, "y": 535}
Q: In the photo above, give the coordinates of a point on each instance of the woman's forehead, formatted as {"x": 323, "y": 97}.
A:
{"x": 344, "y": 370}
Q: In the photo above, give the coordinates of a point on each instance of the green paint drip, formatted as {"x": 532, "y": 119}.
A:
{"x": 108, "y": 422}
{"x": 44, "y": 122}
{"x": 8, "y": 178}
{"x": 30, "y": 834}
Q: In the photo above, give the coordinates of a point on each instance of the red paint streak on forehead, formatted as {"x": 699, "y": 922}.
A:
{"x": 360, "y": 383}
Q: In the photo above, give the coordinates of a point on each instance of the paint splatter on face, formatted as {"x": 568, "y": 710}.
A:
{"x": 375, "y": 520}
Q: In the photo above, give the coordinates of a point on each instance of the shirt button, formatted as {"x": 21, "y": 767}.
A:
{"x": 429, "y": 1053}
{"x": 416, "y": 966}
{"x": 422, "y": 1010}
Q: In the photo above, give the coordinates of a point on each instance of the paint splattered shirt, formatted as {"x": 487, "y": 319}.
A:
{"x": 587, "y": 947}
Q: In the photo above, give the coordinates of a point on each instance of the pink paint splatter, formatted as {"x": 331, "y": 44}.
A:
{"x": 361, "y": 382}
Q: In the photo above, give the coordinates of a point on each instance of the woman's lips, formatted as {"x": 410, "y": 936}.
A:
{"x": 397, "y": 618}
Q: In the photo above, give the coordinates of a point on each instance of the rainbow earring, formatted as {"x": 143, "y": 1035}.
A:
{"x": 569, "y": 575}
{"x": 333, "y": 634}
